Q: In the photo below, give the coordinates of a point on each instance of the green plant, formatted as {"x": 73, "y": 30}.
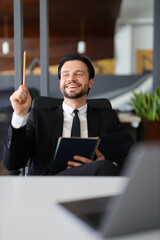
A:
{"x": 147, "y": 105}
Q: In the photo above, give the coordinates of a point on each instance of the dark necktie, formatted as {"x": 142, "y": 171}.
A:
{"x": 75, "y": 132}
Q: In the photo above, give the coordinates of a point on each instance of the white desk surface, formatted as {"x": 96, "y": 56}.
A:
{"x": 29, "y": 210}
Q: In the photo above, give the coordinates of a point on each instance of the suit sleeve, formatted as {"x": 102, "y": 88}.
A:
{"x": 19, "y": 145}
{"x": 116, "y": 124}
{"x": 127, "y": 143}
{"x": 125, "y": 149}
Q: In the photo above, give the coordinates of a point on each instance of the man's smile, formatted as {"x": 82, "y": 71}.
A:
{"x": 72, "y": 85}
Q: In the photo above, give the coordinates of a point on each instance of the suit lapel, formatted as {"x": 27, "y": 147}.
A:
{"x": 93, "y": 123}
{"x": 57, "y": 122}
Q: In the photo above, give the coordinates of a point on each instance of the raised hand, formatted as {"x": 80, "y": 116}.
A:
{"x": 21, "y": 101}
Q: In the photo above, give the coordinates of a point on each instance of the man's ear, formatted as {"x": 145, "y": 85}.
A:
{"x": 91, "y": 82}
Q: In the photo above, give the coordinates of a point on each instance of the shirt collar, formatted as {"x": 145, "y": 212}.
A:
{"x": 69, "y": 109}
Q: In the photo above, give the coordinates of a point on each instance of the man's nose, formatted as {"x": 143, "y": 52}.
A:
{"x": 71, "y": 77}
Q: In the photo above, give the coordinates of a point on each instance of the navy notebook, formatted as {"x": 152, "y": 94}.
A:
{"x": 68, "y": 147}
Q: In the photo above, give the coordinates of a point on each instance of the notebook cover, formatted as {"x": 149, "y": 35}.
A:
{"x": 68, "y": 147}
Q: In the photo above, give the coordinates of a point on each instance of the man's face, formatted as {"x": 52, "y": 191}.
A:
{"x": 74, "y": 82}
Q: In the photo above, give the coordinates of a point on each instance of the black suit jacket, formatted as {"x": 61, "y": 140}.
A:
{"x": 37, "y": 140}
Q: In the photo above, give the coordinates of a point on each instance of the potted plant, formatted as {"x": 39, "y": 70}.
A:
{"x": 147, "y": 106}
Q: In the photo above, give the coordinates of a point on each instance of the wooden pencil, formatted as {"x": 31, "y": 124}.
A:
{"x": 24, "y": 68}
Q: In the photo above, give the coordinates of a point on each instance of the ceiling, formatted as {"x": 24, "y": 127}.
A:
{"x": 66, "y": 17}
{"x": 69, "y": 21}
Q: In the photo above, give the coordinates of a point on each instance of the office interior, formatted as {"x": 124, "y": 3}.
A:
{"x": 119, "y": 37}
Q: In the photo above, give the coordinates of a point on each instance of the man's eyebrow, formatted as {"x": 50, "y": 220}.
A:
{"x": 80, "y": 71}
{"x": 65, "y": 71}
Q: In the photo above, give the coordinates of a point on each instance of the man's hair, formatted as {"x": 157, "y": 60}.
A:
{"x": 74, "y": 56}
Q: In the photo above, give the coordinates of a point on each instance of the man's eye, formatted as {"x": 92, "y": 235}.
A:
{"x": 65, "y": 75}
{"x": 79, "y": 74}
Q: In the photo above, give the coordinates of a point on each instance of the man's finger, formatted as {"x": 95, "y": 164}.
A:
{"x": 82, "y": 159}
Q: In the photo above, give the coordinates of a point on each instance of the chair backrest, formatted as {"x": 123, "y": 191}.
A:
{"x": 99, "y": 103}
{"x": 46, "y": 102}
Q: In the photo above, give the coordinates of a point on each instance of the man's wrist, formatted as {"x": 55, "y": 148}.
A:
{"x": 21, "y": 114}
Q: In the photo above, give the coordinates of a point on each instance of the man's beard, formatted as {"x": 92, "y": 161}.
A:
{"x": 76, "y": 95}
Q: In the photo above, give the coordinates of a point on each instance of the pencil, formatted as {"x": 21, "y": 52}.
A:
{"x": 24, "y": 68}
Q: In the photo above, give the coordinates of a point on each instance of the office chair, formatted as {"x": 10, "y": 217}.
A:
{"x": 45, "y": 102}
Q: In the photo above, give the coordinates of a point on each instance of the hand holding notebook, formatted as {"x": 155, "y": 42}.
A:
{"x": 67, "y": 148}
{"x": 109, "y": 145}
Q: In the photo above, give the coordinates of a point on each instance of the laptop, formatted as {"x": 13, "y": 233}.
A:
{"x": 137, "y": 208}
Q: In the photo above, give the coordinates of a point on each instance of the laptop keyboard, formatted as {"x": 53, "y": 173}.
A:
{"x": 89, "y": 210}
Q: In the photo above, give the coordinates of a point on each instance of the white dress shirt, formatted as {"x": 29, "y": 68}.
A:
{"x": 19, "y": 121}
{"x": 68, "y": 119}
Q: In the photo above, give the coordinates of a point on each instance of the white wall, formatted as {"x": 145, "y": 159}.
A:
{"x": 128, "y": 39}
{"x": 142, "y": 39}
{"x": 134, "y": 31}
{"x": 123, "y": 50}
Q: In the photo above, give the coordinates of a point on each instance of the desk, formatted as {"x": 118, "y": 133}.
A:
{"x": 129, "y": 117}
{"x": 29, "y": 211}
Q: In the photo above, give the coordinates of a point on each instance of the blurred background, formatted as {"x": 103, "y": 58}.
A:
{"x": 116, "y": 35}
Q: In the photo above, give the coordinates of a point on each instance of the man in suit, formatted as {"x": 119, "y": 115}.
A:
{"x": 33, "y": 136}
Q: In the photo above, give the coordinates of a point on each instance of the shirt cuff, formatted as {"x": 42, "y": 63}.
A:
{"x": 19, "y": 121}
